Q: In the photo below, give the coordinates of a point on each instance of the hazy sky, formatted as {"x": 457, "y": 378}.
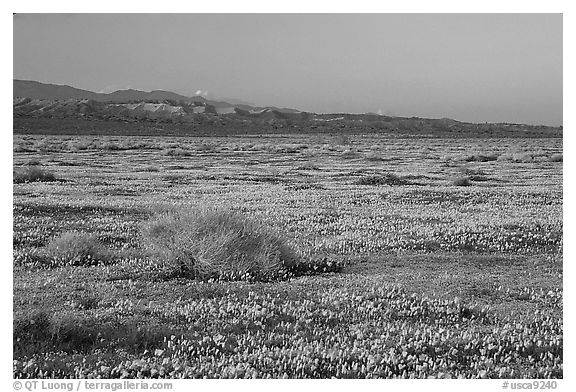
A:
{"x": 470, "y": 67}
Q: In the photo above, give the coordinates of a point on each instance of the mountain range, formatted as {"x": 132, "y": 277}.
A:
{"x": 44, "y": 91}
{"x": 49, "y": 108}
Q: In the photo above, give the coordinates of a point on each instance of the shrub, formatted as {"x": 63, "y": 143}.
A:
{"x": 305, "y": 186}
{"x": 111, "y": 146}
{"x": 462, "y": 181}
{"x": 556, "y": 158}
{"x": 349, "y": 154}
{"x": 386, "y": 179}
{"x": 32, "y": 326}
{"x": 342, "y": 140}
{"x": 212, "y": 243}
{"x": 522, "y": 157}
{"x": 51, "y": 146}
{"x": 481, "y": 158}
{"x": 374, "y": 156}
{"x": 287, "y": 148}
{"x": 308, "y": 166}
{"x": 475, "y": 175}
{"x": 72, "y": 334}
{"x": 177, "y": 152}
{"x": 479, "y": 178}
{"x": 42, "y": 331}
{"x": 151, "y": 169}
{"x": 473, "y": 172}
{"x": 206, "y": 147}
{"x": 81, "y": 145}
{"x": 33, "y": 174}
{"x": 22, "y": 147}
{"x": 73, "y": 248}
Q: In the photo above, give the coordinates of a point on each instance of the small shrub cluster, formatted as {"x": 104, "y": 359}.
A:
{"x": 342, "y": 140}
{"x": 386, "y": 179}
{"x": 349, "y": 154}
{"x": 556, "y": 158}
{"x": 519, "y": 157}
{"x": 73, "y": 248}
{"x": 23, "y": 146}
{"x": 522, "y": 157}
{"x": 308, "y": 166}
{"x": 462, "y": 181}
{"x": 481, "y": 157}
{"x": 374, "y": 157}
{"x": 177, "y": 152}
{"x": 206, "y": 147}
{"x": 33, "y": 174}
{"x": 475, "y": 175}
{"x": 69, "y": 332}
{"x": 305, "y": 186}
{"x": 209, "y": 243}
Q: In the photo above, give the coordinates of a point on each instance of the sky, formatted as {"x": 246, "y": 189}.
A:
{"x": 469, "y": 67}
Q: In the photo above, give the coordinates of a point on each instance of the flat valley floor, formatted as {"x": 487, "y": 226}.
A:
{"x": 436, "y": 258}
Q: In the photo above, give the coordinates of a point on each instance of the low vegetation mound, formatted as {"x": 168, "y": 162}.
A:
{"x": 177, "y": 152}
{"x": 33, "y": 174}
{"x": 74, "y": 248}
{"x": 209, "y": 243}
{"x": 556, "y": 158}
{"x": 462, "y": 181}
{"x": 481, "y": 157}
{"x": 385, "y": 179}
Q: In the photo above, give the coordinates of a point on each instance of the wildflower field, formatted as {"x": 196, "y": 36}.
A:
{"x": 403, "y": 258}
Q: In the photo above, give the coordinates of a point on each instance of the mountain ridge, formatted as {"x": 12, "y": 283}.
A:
{"x": 38, "y": 90}
{"x": 38, "y": 107}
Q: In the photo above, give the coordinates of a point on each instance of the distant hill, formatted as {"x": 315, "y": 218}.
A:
{"x": 136, "y": 95}
{"x": 37, "y": 90}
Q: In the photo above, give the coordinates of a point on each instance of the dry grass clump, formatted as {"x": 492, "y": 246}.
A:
{"x": 556, "y": 158}
{"x": 481, "y": 157}
{"x": 72, "y": 332}
{"x": 374, "y": 156}
{"x": 348, "y": 153}
{"x": 341, "y": 140}
{"x": 517, "y": 157}
{"x": 74, "y": 248}
{"x": 33, "y": 174}
{"x": 206, "y": 147}
{"x": 308, "y": 165}
{"x": 177, "y": 152}
{"x": 462, "y": 181}
{"x": 477, "y": 175}
{"x": 522, "y": 157}
{"x": 23, "y": 146}
{"x": 214, "y": 243}
{"x": 386, "y": 179}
